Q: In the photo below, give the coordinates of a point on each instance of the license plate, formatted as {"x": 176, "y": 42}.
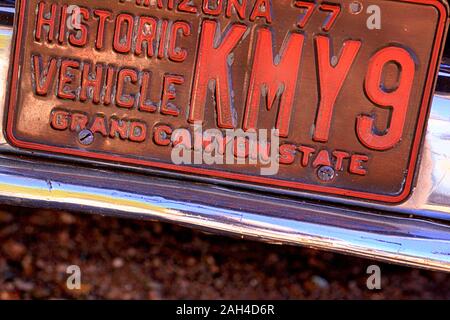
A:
{"x": 323, "y": 97}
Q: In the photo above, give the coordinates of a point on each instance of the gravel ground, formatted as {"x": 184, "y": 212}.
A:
{"x": 126, "y": 259}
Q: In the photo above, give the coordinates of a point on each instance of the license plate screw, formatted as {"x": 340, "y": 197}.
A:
{"x": 85, "y": 137}
{"x": 355, "y": 7}
{"x": 326, "y": 173}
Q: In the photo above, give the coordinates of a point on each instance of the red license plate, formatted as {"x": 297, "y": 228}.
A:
{"x": 325, "y": 97}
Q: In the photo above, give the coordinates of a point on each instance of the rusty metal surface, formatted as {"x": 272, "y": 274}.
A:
{"x": 30, "y": 114}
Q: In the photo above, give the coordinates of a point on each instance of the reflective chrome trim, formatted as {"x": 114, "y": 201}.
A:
{"x": 396, "y": 239}
{"x": 7, "y": 9}
{"x": 347, "y": 229}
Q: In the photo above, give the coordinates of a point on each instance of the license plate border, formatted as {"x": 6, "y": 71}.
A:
{"x": 415, "y": 150}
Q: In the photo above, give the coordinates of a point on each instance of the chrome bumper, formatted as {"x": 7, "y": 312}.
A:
{"x": 397, "y": 234}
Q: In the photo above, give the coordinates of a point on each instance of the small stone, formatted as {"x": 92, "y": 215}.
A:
{"x": 154, "y": 295}
{"x": 132, "y": 252}
{"x": 61, "y": 268}
{"x": 157, "y": 228}
{"x": 254, "y": 283}
{"x": 155, "y": 291}
{"x": 5, "y": 295}
{"x": 118, "y": 263}
{"x": 5, "y": 217}
{"x": 210, "y": 260}
{"x": 156, "y": 262}
{"x": 27, "y": 265}
{"x": 43, "y": 218}
{"x": 14, "y": 250}
{"x": 191, "y": 261}
{"x": 214, "y": 269}
{"x": 272, "y": 258}
{"x": 320, "y": 282}
{"x": 41, "y": 292}
{"x": 67, "y": 218}
{"x": 64, "y": 238}
{"x": 23, "y": 285}
{"x": 219, "y": 283}
{"x": 41, "y": 264}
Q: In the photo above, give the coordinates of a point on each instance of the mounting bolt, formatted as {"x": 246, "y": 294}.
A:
{"x": 85, "y": 137}
{"x": 326, "y": 173}
{"x": 355, "y": 7}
